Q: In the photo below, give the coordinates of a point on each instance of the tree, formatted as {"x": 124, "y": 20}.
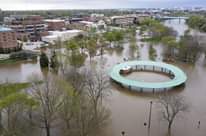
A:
{"x": 133, "y": 42}
{"x": 77, "y": 113}
{"x": 109, "y": 37}
{"x": 14, "y": 102}
{"x": 76, "y": 59}
{"x": 44, "y": 61}
{"x": 49, "y": 96}
{"x": 91, "y": 46}
{"x": 171, "y": 106}
{"x": 189, "y": 48}
{"x": 101, "y": 42}
{"x": 171, "y": 44}
{"x": 54, "y": 64}
{"x": 197, "y": 22}
{"x": 72, "y": 45}
{"x": 118, "y": 37}
{"x": 97, "y": 86}
{"x": 152, "y": 53}
{"x": 77, "y": 79}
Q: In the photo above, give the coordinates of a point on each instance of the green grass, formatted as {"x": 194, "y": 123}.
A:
{"x": 14, "y": 86}
{"x": 9, "y": 61}
{"x": 12, "y": 61}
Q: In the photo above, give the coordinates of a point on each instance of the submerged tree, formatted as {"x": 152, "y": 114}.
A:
{"x": 152, "y": 53}
{"x": 189, "y": 49}
{"x": 54, "y": 61}
{"x": 91, "y": 47}
{"x": 44, "y": 61}
{"x": 171, "y": 106}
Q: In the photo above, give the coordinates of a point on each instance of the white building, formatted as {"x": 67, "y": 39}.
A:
{"x": 100, "y": 25}
{"x": 60, "y": 35}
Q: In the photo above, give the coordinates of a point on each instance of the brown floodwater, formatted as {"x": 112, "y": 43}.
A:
{"x": 130, "y": 110}
{"x": 145, "y": 76}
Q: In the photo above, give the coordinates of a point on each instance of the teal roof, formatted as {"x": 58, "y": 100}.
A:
{"x": 5, "y": 29}
{"x": 180, "y": 76}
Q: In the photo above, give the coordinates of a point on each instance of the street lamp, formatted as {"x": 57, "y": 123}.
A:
{"x": 150, "y": 116}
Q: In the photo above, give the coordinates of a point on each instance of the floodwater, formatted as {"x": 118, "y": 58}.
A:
{"x": 20, "y": 71}
{"x": 145, "y": 76}
{"x": 130, "y": 110}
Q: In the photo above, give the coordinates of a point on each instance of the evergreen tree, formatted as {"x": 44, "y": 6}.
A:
{"x": 44, "y": 61}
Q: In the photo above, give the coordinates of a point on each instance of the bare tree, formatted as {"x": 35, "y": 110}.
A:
{"x": 97, "y": 86}
{"x": 171, "y": 106}
{"x": 76, "y": 78}
{"x": 49, "y": 96}
{"x": 79, "y": 112}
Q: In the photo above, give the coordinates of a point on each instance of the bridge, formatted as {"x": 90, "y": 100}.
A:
{"x": 178, "y": 77}
{"x": 171, "y": 17}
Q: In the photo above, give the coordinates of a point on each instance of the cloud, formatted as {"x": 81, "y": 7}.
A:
{"x": 94, "y": 4}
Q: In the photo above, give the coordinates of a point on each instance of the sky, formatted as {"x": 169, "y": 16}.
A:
{"x": 95, "y": 4}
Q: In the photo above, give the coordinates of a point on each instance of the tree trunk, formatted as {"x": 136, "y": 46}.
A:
{"x": 47, "y": 127}
{"x": 8, "y": 119}
{"x": 169, "y": 128}
{"x": 1, "y": 126}
{"x": 47, "y": 130}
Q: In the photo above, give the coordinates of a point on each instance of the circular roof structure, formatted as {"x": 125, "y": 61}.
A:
{"x": 179, "y": 77}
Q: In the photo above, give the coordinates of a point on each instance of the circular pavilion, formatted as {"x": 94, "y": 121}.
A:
{"x": 177, "y": 76}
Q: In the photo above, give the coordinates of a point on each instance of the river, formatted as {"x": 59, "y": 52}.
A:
{"x": 130, "y": 110}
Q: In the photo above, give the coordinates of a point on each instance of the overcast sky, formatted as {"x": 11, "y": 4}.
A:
{"x": 95, "y": 4}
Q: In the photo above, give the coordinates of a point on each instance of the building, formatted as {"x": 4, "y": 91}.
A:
{"x": 27, "y": 27}
{"x": 96, "y": 17}
{"x": 88, "y": 25}
{"x": 60, "y": 35}
{"x": 123, "y": 20}
{"x": 8, "y": 40}
{"x": 55, "y": 24}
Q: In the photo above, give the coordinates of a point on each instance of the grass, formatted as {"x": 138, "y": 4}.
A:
{"x": 14, "y": 86}
{"x": 9, "y": 61}
{"x": 12, "y": 61}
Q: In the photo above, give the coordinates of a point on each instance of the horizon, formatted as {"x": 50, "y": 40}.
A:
{"x": 22, "y": 5}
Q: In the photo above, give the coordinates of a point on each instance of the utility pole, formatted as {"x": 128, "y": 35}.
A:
{"x": 150, "y": 117}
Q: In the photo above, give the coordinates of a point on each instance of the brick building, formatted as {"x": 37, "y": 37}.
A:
{"x": 8, "y": 40}
{"x": 27, "y": 27}
{"x": 55, "y": 24}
